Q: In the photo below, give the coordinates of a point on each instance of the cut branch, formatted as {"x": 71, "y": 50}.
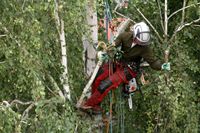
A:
{"x": 88, "y": 86}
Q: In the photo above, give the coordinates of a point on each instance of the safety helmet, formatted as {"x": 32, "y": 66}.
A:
{"x": 141, "y": 33}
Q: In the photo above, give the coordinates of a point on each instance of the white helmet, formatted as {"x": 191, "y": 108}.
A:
{"x": 141, "y": 33}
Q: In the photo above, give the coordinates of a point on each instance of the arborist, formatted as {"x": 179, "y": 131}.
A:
{"x": 135, "y": 46}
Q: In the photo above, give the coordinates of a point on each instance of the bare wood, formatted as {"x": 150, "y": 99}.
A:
{"x": 122, "y": 27}
{"x": 88, "y": 86}
{"x": 167, "y": 53}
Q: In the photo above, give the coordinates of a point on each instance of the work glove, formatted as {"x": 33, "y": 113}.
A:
{"x": 102, "y": 56}
{"x": 166, "y": 66}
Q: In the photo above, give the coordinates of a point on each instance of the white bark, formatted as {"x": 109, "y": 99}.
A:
{"x": 88, "y": 86}
{"x": 60, "y": 28}
{"x": 166, "y": 31}
{"x": 64, "y": 62}
{"x": 89, "y": 53}
{"x": 183, "y": 12}
{"x": 166, "y": 20}
{"x": 55, "y": 86}
{"x": 183, "y": 23}
{"x": 161, "y": 18}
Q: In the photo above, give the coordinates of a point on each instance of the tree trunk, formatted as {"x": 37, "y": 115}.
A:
{"x": 89, "y": 53}
{"x": 60, "y": 28}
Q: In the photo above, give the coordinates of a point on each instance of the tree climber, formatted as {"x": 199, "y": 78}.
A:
{"x": 135, "y": 46}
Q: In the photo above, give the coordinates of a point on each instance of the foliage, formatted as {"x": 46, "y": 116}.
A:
{"x": 30, "y": 58}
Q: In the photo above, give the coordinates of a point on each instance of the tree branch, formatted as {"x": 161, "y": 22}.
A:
{"x": 16, "y": 101}
{"x": 20, "y": 102}
{"x": 149, "y": 24}
{"x": 183, "y": 26}
{"x": 161, "y": 18}
{"x": 2, "y": 35}
{"x": 188, "y": 24}
{"x": 166, "y": 20}
{"x": 197, "y": 25}
{"x": 60, "y": 28}
{"x": 38, "y": 64}
{"x": 182, "y": 9}
{"x": 25, "y": 113}
{"x": 88, "y": 86}
{"x": 183, "y": 12}
{"x": 115, "y": 11}
{"x": 55, "y": 85}
{"x": 57, "y": 16}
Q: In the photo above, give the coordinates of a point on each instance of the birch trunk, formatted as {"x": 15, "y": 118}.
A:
{"x": 64, "y": 62}
{"x": 166, "y": 31}
{"x": 89, "y": 53}
{"x": 60, "y": 28}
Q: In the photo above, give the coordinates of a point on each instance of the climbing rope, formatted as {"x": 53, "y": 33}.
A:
{"x": 120, "y": 113}
{"x": 110, "y": 38}
{"x": 108, "y": 18}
